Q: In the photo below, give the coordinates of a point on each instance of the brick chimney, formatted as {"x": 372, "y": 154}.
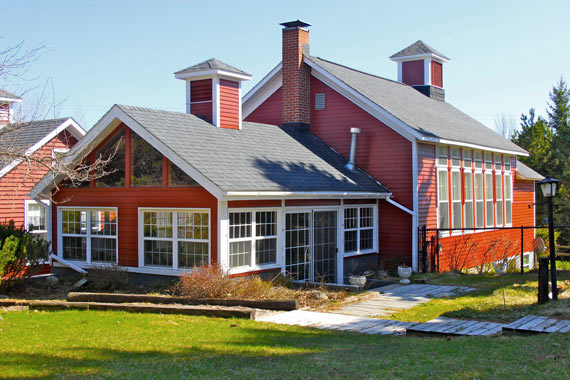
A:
{"x": 296, "y": 74}
{"x": 213, "y": 92}
{"x": 421, "y": 67}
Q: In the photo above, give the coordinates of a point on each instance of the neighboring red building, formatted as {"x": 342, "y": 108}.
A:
{"x": 41, "y": 140}
{"x": 274, "y": 192}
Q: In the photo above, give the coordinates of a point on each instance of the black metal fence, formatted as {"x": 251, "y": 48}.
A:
{"x": 443, "y": 249}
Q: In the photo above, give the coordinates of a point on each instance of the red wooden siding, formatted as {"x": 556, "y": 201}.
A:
{"x": 395, "y": 235}
{"x": 312, "y": 202}
{"x": 436, "y": 74}
{"x": 17, "y": 183}
{"x": 4, "y": 113}
{"x": 381, "y": 152}
{"x": 270, "y": 111}
{"x": 427, "y": 186}
{"x": 128, "y": 200}
{"x": 523, "y": 196}
{"x": 253, "y": 203}
{"x": 229, "y": 104}
{"x": 413, "y": 72}
{"x": 201, "y": 98}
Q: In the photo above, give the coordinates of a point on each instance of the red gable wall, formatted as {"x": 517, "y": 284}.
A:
{"x": 15, "y": 185}
{"x": 269, "y": 112}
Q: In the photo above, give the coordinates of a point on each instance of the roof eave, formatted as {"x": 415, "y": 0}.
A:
{"x": 248, "y": 195}
{"x": 195, "y": 75}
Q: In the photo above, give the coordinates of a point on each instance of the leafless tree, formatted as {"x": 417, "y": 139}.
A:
{"x": 15, "y": 62}
{"x": 505, "y": 125}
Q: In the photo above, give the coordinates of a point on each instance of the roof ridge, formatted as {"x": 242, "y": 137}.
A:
{"x": 360, "y": 71}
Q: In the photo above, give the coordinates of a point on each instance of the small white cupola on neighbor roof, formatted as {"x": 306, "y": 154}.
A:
{"x": 7, "y": 100}
{"x": 421, "y": 66}
{"x": 213, "y": 92}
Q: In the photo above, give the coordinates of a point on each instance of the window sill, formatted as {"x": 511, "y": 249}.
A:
{"x": 355, "y": 254}
{"x": 245, "y": 269}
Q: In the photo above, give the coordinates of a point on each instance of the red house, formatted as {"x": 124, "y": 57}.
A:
{"x": 40, "y": 140}
{"x": 319, "y": 171}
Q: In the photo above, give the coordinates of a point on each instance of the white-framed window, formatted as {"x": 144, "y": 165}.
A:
{"x": 468, "y": 203}
{"x": 174, "y": 238}
{"x": 36, "y": 216}
{"x": 499, "y": 199}
{"x": 508, "y": 199}
{"x": 442, "y": 199}
{"x": 489, "y": 222}
{"x": 359, "y": 236}
{"x": 455, "y": 157}
{"x": 88, "y": 234}
{"x": 467, "y": 158}
{"x": 488, "y": 161}
{"x": 479, "y": 201}
{"x": 441, "y": 155}
{"x": 498, "y": 162}
{"x": 507, "y": 163}
{"x": 253, "y": 238}
{"x": 456, "y": 198}
{"x": 478, "y": 158}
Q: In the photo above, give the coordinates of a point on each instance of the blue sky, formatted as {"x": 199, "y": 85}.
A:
{"x": 505, "y": 55}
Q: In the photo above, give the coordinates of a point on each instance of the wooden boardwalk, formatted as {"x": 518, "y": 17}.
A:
{"x": 533, "y": 324}
{"x": 388, "y": 299}
{"x": 339, "y": 322}
{"x": 451, "y": 326}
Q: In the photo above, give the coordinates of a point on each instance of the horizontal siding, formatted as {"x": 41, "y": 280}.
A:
{"x": 16, "y": 184}
{"x": 381, "y": 152}
{"x": 395, "y": 238}
{"x": 229, "y": 104}
{"x": 270, "y": 111}
{"x": 203, "y": 110}
{"x": 427, "y": 186}
{"x": 523, "y": 197}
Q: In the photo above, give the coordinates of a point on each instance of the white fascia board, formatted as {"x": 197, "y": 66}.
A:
{"x": 415, "y": 215}
{"x": 262, "y": 82}
{"x": 252, "y": 195}
{"x": 437, "y": 140}
{"x": 10, "y": 100}
{"x": 101, "y": 130}
{"x": 70, "y": 124}
{"x": 420, "y": 56}
{"x": 401, "y": 207}
{"x": 209, "y": 73}
{"x": 363, "y": 102}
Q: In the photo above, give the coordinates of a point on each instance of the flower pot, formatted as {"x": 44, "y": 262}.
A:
{"x": 404, "y": 273}
{"x": 357, "y": 280}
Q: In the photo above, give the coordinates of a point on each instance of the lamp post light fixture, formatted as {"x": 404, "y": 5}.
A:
{"x": 549, "y": 186}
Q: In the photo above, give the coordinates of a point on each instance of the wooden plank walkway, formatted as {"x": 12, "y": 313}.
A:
{"x": 533, "y": 324}
{"x": 339, "y": 322}
{"x": 451, "y": 326}
{"x": 388, "y": 299}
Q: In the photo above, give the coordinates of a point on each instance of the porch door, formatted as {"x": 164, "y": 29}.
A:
{"x": 311, "y": 245}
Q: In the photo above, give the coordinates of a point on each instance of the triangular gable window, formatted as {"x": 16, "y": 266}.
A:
{"x": 146, "y": 163}
{"x": 178, "y": 178}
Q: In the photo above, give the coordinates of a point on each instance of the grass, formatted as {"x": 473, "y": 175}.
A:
{"x": 89, "y": 344}
{"x": 487, "y": 302}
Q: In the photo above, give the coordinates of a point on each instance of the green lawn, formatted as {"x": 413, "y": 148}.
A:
{"x": 487, "y": 302}
{"x": 89, "y": 344}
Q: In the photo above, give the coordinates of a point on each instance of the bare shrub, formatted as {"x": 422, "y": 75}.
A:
{"x": 461, "y": 248}
{"x": 108, "y": 278}
{"x": 206, "y": 281}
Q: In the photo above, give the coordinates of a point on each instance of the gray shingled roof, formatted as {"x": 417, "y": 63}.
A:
{"x": 211, "y": 64}
{"x": 8, "y": 95}
{"x": 259, "y": 157}
{"x": 417, "y": 48}
{"x": 528, "y": 173}
{"x": 19, "y": 137}
{"x": 429, "y": 117}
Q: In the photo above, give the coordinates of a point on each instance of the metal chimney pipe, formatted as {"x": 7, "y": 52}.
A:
{"x": 352, "y": 157}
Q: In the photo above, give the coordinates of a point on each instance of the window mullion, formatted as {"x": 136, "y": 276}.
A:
{"x": 88, "y": 235}
{"x": 252, "y": 238}
{"x": 174, "y": 240}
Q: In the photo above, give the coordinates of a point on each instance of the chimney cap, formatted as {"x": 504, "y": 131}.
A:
{"x": 294, "y": 24}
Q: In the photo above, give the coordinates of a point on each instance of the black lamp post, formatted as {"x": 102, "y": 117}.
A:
{"x": 548, "y": 187}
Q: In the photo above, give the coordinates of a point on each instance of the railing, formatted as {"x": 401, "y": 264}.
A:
{"x": 442, "y": 249}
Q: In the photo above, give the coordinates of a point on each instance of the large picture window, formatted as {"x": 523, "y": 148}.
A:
{"x": 146, "y": 163}
{"x": 358, "y": 229}
{"x": 88, "y": 234}
{"x": 252, "y": 238}
{"x": 114, "y": 152}
{"x": 175, "y": 239}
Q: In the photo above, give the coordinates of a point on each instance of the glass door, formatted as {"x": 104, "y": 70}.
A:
{"x": 311, "y": 245}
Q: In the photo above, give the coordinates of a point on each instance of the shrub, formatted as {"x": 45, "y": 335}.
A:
{"x": 109, "y": 278}
{"x": 206, "y": 281}
{"x": 21, "y": 252}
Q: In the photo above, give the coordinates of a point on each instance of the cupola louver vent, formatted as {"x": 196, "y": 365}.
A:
{"x": 320, "y": 101}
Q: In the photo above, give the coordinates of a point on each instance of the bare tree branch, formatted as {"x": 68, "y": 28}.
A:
{"x": 505, "y": 125}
